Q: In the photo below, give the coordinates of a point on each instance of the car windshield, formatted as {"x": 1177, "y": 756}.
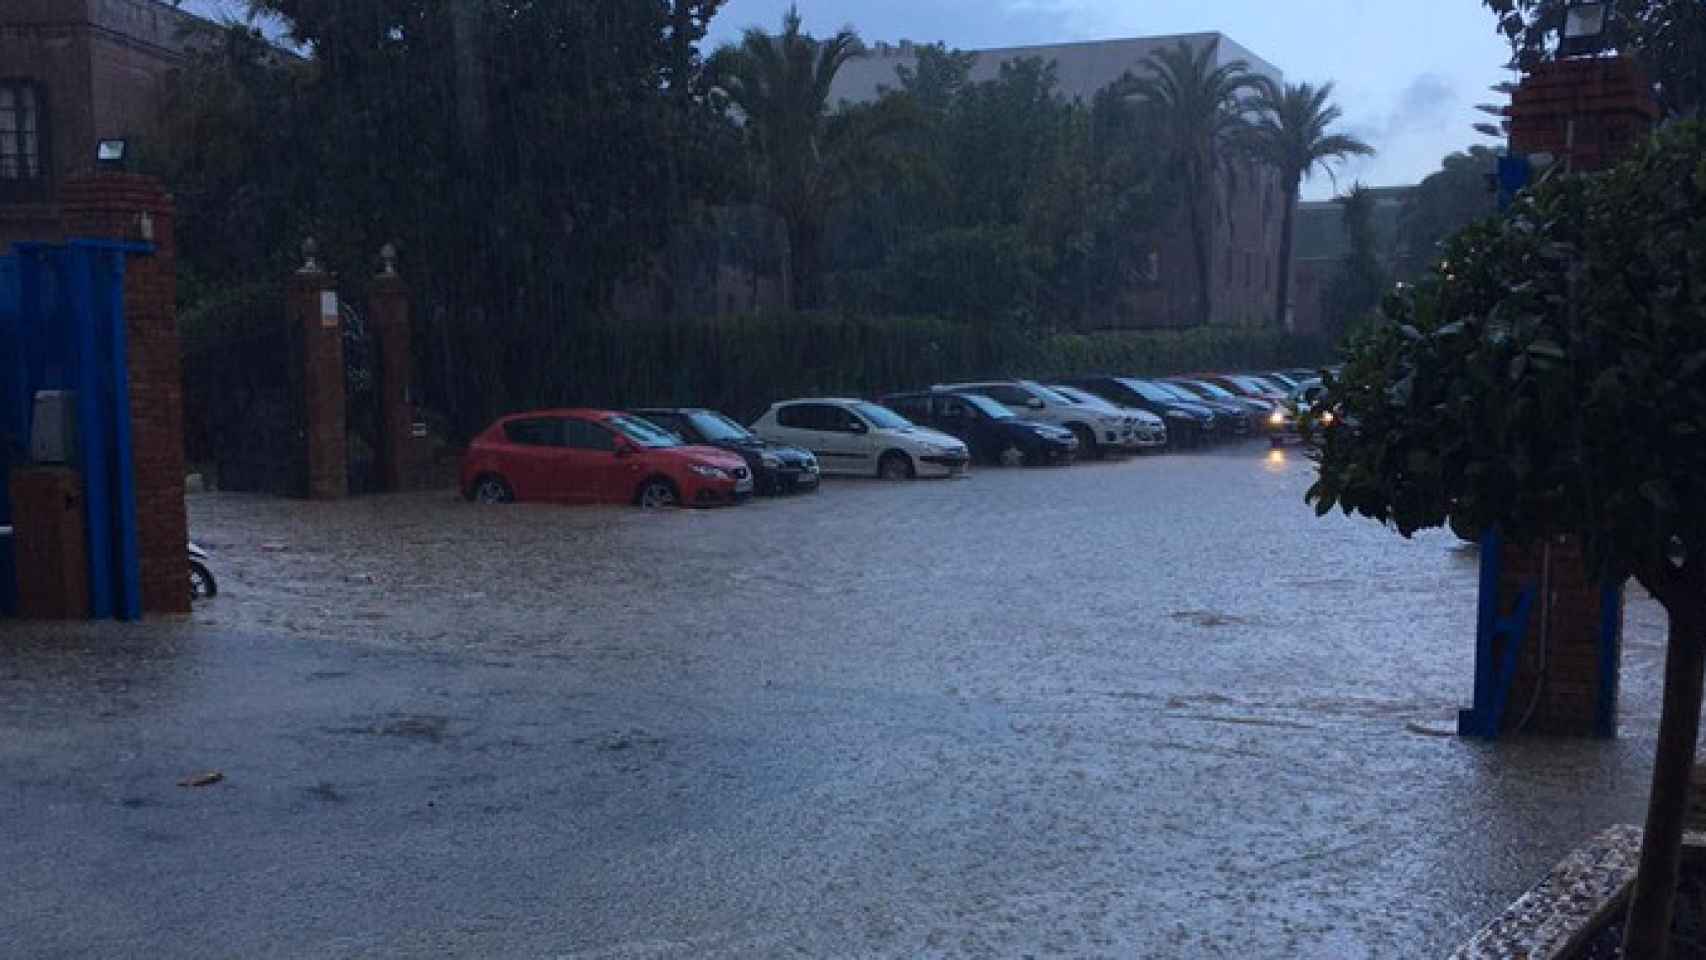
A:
{"x": 1083, "y": 399}
{"x": 644, "y": 432}
{"x": 1212, "y": 389}
{"x": 882, "y": 417}
{"x": 990, "y": 408}
{"x": 1252, "y": 384}
{"x": 715, "y": 426}
{"x": 1149, "y": 391}
{"x": 1050, "y": 396}
{"x": 1177, "y": 392}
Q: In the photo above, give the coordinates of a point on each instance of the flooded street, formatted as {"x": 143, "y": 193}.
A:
{"x": 1134, "y": 709}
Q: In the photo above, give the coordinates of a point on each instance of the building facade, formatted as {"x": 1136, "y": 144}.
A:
{"x": 73, "y": 73}
{"x": 1322, "y": 244}
{"x": 1245, "y": 239}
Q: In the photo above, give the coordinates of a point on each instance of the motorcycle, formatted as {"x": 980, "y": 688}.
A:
{"x": 202, "y": 584}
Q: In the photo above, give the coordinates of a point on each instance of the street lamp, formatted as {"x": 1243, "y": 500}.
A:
{"x": 1584, "y": 28}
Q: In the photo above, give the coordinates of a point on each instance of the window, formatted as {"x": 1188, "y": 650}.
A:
{"x": 673, "y": 422}
{"x": 643, "y": 432}
{"x": 534, "y": 433}
{"x": 879, "y": 416}
{"x": 586, "y": 435}
{"x": 22, "y": 172}
{"x": 917, "y": 408}
{"x": 1002, "y": 393}
{"x": 798, "y": 417}
{"x": 953, "y": 407}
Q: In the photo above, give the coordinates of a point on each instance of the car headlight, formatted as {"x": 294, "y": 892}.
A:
{"x": 1277, "y": 418}
{"x": 1326, "y": 418}
{"x": 710, "y": 472}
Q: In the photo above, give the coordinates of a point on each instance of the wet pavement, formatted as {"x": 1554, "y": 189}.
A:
{"x": 1140, "y": 709}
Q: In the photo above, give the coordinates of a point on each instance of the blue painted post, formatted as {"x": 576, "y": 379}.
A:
{"x": 93, "y": 429}
{"x": 1474, "y": 721}
{"x": 129, "y": 598}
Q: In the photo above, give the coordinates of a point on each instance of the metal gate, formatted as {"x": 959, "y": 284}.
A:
{"x": 62, "y": 328}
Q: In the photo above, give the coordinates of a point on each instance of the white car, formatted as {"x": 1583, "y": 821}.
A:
{"x": 1148, "y": 430}
{"x": 1098, "y": 432}
{"x": 863, "y": 439}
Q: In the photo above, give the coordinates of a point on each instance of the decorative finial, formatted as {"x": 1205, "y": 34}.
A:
{"x": 388, "y": 257}
{"x": 310, "y": 249}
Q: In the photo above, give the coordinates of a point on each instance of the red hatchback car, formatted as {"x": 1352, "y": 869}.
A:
{"x": 597, "y": 456}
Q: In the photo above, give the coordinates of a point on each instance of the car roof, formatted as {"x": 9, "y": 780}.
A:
{"x": 642, "y": 411}
{"x": 584, "y": 413}
{"x": 788, "y": 403}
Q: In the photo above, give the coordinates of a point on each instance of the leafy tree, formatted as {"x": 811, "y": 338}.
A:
{"x": 1202, "y": 118}
{"x": 1295, "y": 134}
{"x": 1446, "y": 201}
{"x": 528, "y": 158}
{"x": 781, "y": 85}
{"x": 1667, "y": 36}
{"x": 1551, "y": 380}
{"x": 1363, "y": 280}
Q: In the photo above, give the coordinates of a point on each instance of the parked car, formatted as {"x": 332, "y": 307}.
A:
{"x": 1148, "y": 430}
{"x": 597, "y": 456}
{"x": 1232, "y": 419}
{"x": 863, "y": 439}
{"x": 1097, "y": 432}
{"x": 1188, "y": 424}
{"x": 776, "y": 468}
{"x": 1258, "y": 407}
{"x": 1283, "y": 422}
{"x": 1247, "y": 385}
{"x": 202, "y": 584}
{"x": 993, "y": 433}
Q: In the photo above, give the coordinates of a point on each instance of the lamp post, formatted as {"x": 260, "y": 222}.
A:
{"x": 1584, "y": 33}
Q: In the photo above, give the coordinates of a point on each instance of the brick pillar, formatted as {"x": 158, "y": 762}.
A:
{"x": 123, "y": 206}
{"x": 388, "y": 319}
{"x": 1562, "y": 662}
{"x": 313, "y": 305}
{"x": 1590, "y": 113}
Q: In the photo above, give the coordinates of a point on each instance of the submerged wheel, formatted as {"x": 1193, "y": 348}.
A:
{"x": 658, "y": 494}
{"x": 202, "y": 584}
{"x": 895, "y": 466}
{"x": 491, "y": 488}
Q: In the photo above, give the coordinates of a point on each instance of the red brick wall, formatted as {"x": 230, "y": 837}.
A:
{"x": 323, "y": 385}
{"x": 1609, "y": 100}
{"x": 1558, "y": 670}
{"x": 112, "y": 206}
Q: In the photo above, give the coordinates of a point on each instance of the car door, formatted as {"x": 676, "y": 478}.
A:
{"x": 531, "y": 448}
{"x": 590, "y": 468}
{"x": 843, "y": 440}
{"x": 955, "y": 417}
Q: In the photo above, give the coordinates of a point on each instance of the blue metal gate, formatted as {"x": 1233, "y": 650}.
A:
{"x": 62, "y": 328}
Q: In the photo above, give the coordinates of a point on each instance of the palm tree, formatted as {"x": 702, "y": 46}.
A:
{"x": 781, "y": 85}
{"x": 1201, "y": 111}
{"x": 1294, "y": 135}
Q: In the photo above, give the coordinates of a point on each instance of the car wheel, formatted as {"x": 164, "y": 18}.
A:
{"x": 202, "y": 584}
{"x": 895, "y": 466}
{"x": 658, "y": 494}
{"x": 1087, "y": 445}
{"x": 1012, "y": 456}
{"x": 491, "y": 488}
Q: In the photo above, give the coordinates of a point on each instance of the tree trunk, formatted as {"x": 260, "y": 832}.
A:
{"x": 1205, "y": 269}
{"x": 805, "y": 249}
{"x": 1287, "y": 224}
{"x": 1646, "y": 933}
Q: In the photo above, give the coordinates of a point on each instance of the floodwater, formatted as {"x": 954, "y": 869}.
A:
{"x": 1151, "y": 708}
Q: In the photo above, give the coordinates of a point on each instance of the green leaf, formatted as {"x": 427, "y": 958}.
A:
{"x": 1659, "y": 494}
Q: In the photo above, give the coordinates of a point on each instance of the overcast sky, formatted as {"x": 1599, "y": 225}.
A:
{"x": 1408, "y": 74}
